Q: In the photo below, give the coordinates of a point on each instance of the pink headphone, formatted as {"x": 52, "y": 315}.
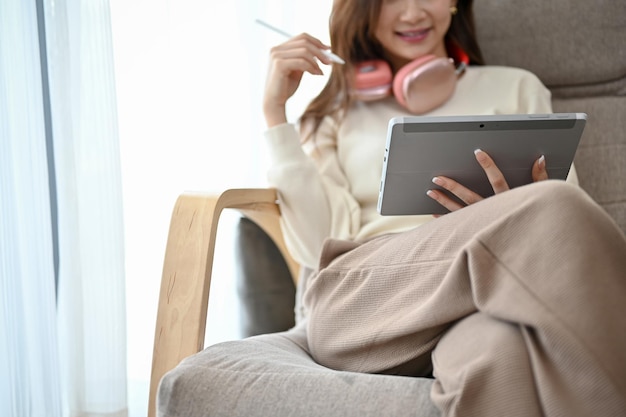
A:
{"x": 420, "y": 86}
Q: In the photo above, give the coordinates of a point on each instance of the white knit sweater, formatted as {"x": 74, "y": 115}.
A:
{"x": 328, "y": 187}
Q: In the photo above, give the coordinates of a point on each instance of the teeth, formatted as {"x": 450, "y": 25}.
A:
{"x": 415, "y": 33}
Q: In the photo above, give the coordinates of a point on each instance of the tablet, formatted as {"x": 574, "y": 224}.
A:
{"x": 420, "y": 148}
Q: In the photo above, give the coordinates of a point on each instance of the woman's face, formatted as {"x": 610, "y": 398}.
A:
{"x": 409, "y": 29}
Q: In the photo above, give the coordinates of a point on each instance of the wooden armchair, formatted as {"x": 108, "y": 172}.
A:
{"x": 187, "y": 267}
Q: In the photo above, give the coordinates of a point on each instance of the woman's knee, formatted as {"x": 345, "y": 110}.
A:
{"x": 560, "y": 192}
{"x": 564, "y": 201}
{"x": 479, "y": 341}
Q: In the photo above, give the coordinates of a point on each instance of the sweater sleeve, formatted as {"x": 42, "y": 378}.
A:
{"x": 314, "y": 194}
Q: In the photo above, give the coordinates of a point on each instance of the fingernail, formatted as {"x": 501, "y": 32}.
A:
{"x": 438, "y": 181}
{"x": 541, "y": 161}
{"x": 430, "y": 193}
{"x": 480, "y": 155}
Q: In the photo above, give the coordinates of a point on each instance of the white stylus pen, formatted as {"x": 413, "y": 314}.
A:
{"x": 326, "y": 52}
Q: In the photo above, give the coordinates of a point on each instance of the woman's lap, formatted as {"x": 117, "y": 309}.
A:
{"x": 525, "y": 257}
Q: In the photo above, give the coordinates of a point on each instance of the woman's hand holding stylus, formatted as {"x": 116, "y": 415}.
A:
{"x": 495, "y": 176}
{"x": 288, "y": 62}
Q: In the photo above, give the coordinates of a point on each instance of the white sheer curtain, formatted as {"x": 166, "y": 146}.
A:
{"x": 29, "y": 368}
{"x": 60, "y": 195}
{"x": 92, "y": 305}
{"x": 190, "y": 77}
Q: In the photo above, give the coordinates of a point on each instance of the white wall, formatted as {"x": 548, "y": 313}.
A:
{"x": 189, "y": 76}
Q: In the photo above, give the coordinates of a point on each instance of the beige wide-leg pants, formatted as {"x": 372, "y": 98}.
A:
{"x": 517, "y": 304}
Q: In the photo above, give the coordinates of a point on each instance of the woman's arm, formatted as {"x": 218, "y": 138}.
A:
{"x": 315, "y": 198}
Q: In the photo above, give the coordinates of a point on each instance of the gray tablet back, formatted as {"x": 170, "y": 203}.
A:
{"x": 420, "y": 148}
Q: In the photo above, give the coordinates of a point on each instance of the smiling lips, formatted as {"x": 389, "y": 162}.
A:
{"x": 414, "y": 35}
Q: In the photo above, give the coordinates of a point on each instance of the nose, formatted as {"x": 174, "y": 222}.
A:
{"x": 412, "y": 10}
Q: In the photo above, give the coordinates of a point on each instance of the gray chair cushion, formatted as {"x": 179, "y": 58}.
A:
{"x": 575, "y": 47}
{"x": 601, "y": 156}
{"x": 265, "y": 289}
{"x": 273, "y": 375}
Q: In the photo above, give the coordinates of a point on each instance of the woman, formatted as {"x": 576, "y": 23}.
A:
{"x": 487, "y": 298}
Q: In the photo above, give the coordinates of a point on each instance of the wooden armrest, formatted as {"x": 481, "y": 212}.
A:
{"x": 186, "y": 279}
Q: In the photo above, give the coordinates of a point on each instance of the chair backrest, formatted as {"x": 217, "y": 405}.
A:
{"x": 576, "y": 47}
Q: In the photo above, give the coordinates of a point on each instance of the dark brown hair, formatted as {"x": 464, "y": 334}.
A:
{"x": 352, "y": 24}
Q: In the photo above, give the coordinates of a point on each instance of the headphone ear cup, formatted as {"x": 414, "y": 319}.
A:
{"x": 372, "y": 81}
{"x": 425, "y": 84}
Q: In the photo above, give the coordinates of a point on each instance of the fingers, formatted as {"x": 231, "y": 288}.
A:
{"x": 539, "y": 171}
{"x": 297, "y": 58}
{"x": 288, "y": 62}
{"x": 445, "y": 200}
{"x": 303, "y": 52}
{"x": 463, "y": 193}
{"x": 495, "y": 176}
{"x": 467, "y": 196}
